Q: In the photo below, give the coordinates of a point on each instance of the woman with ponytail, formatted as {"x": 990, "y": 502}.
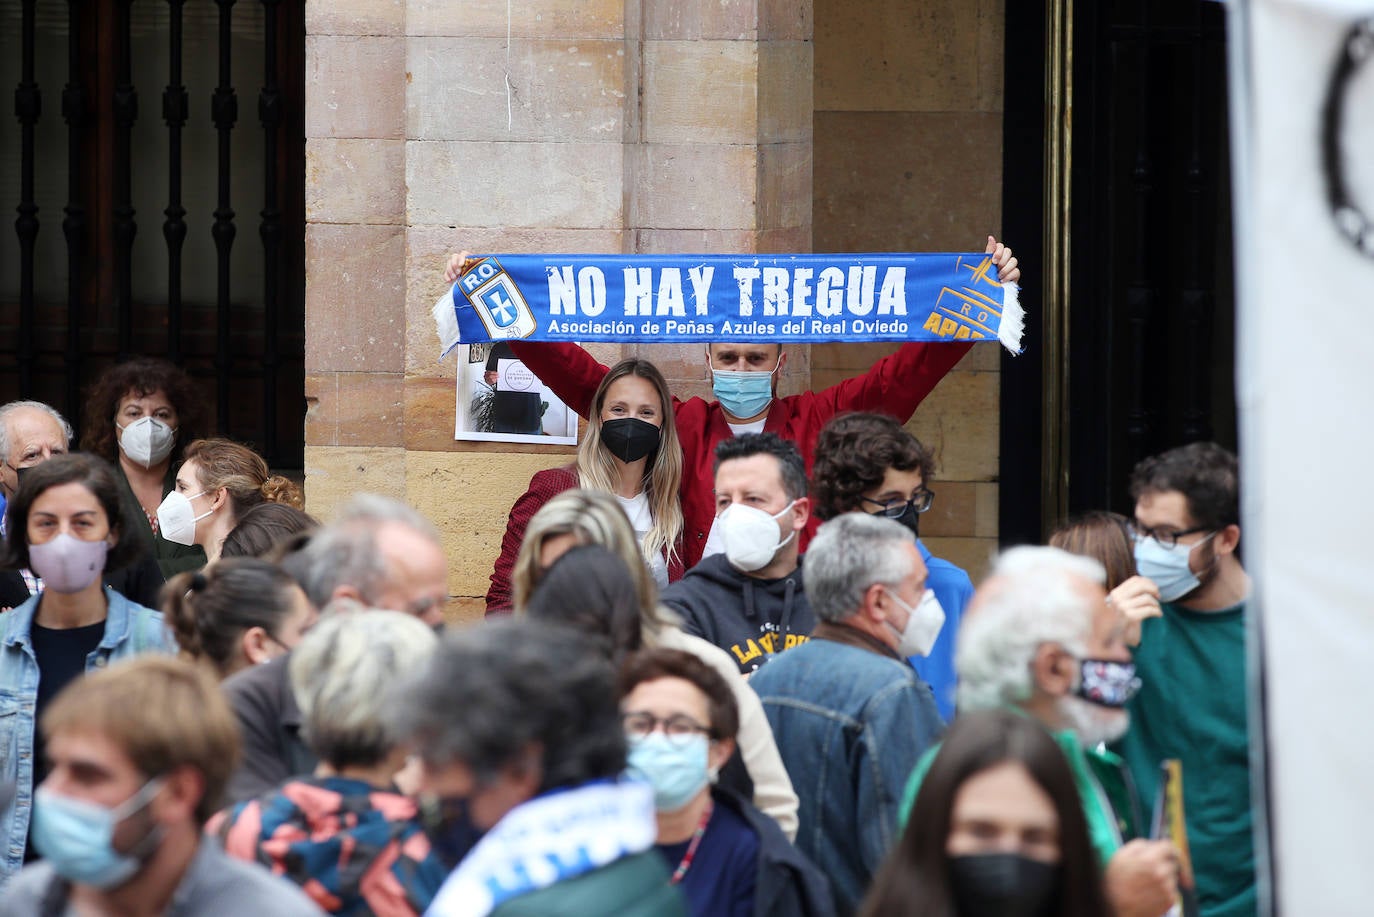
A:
{"x": 238, "y": 612}
{"x": 218, "y": 483}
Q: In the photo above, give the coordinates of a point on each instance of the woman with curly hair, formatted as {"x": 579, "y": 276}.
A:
{"x": 139, "y": 415}
{"x": 219, "y": 481}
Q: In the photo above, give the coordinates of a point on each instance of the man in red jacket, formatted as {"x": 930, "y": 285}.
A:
{"x": 746, "y": 398}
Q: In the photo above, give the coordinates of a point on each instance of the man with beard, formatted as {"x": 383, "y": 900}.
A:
{"x": 1039, "y": 638}
{"x": 1192, "y": 661}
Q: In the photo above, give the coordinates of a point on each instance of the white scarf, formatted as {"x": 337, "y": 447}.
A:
{"x": 550, "y": 838}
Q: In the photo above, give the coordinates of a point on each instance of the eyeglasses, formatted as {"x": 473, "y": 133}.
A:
{"x": 678, "y": 728}
{"x": 920, "y": 502}
{"x": 1166, "y": 537}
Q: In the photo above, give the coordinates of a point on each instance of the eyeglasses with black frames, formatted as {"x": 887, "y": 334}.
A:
{"x": 1165, "y": 536}
{"x": 920, "y": 502}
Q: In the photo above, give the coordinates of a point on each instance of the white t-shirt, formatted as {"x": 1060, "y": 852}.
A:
{"x": 641, "y": 519}
{"x": 755, "y": 426}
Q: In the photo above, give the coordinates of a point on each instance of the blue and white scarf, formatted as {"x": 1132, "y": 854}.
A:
{"x": 673, "y": 299}
{"x": 557, "y": 836}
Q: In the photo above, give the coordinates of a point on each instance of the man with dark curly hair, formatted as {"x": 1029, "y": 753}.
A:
{"x": 1192, "y": 663}
{"x": 869, "y": 463}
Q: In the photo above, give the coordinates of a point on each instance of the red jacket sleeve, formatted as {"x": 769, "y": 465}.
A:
{"x": 896, "y": 384}
{"x": 544, "y": 486}
{"x": 569, "y": 370}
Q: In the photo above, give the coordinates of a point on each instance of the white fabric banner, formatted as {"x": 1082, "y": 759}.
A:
{"x": 1305, "y": 365}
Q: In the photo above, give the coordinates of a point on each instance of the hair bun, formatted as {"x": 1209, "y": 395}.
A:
{"x": 198, "y": 581}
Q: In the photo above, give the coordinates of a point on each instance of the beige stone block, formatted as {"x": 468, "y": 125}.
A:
{"x": 717, "y": 19}
{"x": 355, "y": 87}
{"x": 556, "y": 19}
{"x": 355, "y": 181}
{"x": 785, "y": 91}
{"x": 700, "y": 91}
{"x": 695, "y": 186}
{"x": 431, "y": 409}
{"x": 986, "y": 523}
{"x": 355, "y": 17}
{"x": 677, "y": 362}
{"x": 895, "y": 55}
{"x": 354, "y": 409}
{"x": 983, "y": 357}
{"x": 894, "y": 181}
{"x": 482, "y": 89}
{"x": 784, "y": 185}
{"x": 334, "y": 474}
{"x": 992, "y": 36}
{"x": 787, "y": 20}
{"x": 462, "y": 611}
{"x": 960, "y": 422}
{"x": 974, "y": 555}
{"x": 786, "y": 240}
{"x": 694, "y": 241}
{"x": 555, "y": 185}
{"x": 954, "y": 512}
{"x": 849, "y": 359}
{"x": 354, "y": 298}
{"x": 468, "y": 496}
{"x": 427, "y": 252}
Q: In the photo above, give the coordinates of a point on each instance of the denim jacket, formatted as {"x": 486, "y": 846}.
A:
{"x": 851, "y": 720}
{"x": 129, "y": 630}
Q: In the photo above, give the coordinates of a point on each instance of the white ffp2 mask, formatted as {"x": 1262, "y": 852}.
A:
{"x": 176, "y": 518}
{"x": 147, "y": 441}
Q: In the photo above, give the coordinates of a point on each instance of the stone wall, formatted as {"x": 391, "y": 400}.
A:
{"x": 625, "y": 126}
{"x": 908, "y": 152}
{"x": 555, "y": 125}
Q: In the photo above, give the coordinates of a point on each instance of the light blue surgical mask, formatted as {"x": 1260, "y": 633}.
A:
{"x": 676, "y": 768}
{"x": 743, "y": 394}
{"x": 77, "y": 837}
{"x": 1167, "y": 567}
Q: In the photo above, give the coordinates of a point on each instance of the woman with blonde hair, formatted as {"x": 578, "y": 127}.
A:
{"x": 585, "y": 517}
{"x": 630, "y": 451}
{"x": 219, "y": 481}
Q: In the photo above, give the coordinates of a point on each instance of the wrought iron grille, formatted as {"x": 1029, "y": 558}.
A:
{"x": 225, "y": 305}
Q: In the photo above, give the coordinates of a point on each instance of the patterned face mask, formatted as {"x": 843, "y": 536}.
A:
{"x": 1108, "y": 683}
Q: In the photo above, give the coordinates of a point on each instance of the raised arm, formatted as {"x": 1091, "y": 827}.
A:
{"x": 571, "y": 372}
{"x": 899, "y": 382}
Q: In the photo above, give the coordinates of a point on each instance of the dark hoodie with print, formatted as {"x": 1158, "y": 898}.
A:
{"x": 751, "y": 619}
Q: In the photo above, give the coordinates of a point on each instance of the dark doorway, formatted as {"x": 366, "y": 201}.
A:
{"x": 1150, "y": 304}
{"x": 156, "y": 164}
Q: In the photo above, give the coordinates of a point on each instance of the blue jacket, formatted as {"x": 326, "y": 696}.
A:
{"x": 953, "y": 588}
{"x": 129, "y": 630}
{"x": 851, "y": 719}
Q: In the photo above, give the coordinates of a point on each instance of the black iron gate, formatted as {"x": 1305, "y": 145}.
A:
{"x": 134, "y": 228}
{"x": 1150, "y": 305}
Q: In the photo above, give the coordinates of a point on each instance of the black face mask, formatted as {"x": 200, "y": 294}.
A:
{"x": 451, "y": 831}
{"x": 911, "y": 519}
{"x": 1002, "y": 885}
{"x": 629, "y": 438}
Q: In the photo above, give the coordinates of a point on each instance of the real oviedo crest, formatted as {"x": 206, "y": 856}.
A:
{"x": 498, "y": 301}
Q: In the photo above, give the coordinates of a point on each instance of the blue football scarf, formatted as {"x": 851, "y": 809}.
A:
{"x": 674, "y": 299}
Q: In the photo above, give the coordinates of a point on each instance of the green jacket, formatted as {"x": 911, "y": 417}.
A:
{"x": 633, "y": 886}
{"x": 1108, "y": 800}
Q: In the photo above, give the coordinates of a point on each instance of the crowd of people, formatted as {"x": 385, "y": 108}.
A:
{"x": 720, "y": 673}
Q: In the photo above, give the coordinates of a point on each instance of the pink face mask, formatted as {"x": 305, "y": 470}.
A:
{"x": 68, "y": 564}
